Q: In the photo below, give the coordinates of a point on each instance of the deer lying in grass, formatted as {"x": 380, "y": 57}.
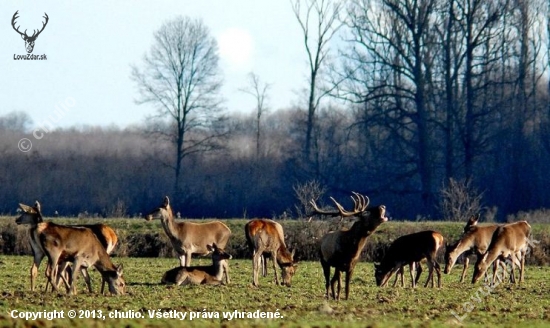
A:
{"x": 32, "y": 216}
{"x": 189, "y": 238}
{"x": 508, "y": 241}
{"x": 267, "y": 236}
{"x": 411, "y": 248}
{"x": 200, "y": 275}
{"x": 474, "y": 240}
{"x": 341, "y": 249}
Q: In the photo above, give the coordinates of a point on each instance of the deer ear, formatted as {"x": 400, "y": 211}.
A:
{"x": 26, "y": 208}
{"x": 37, "y": 206}
{"x": 22, "y": 37}
{"x": 166, "y": 201}
{"x": 292, "y": 253}
{"x": 119, "y": 269}
{"x": 210, "y": 248}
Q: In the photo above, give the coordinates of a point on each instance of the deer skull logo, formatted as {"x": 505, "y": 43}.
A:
{"x": 29, "y": 40}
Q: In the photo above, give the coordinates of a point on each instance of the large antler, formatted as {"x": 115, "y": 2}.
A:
{"x": 43, "y": 26}
{"x": 35, "y": 34}
{"x": 360, "y": 205}
{"x": 13, "y": 24}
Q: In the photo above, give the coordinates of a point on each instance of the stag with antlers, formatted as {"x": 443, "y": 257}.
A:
{"x": 29, "y": 40}
{"x": 341, "y": 249}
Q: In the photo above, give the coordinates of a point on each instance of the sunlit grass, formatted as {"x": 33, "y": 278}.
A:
{"x": 301, "y": 305}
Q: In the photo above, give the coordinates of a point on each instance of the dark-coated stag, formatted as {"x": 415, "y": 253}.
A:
{"x": 341, "y": 249}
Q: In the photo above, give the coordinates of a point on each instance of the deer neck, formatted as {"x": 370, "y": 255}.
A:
{"x": 217, "y": 269}
{"x": 464, "y": 244}
{"x": 168, "y": 224}
{"x": 283, "y": 256}
{"x": 104, "y": 263}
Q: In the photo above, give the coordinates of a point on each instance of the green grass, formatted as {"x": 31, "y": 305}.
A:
{"x": 303, "y": 304}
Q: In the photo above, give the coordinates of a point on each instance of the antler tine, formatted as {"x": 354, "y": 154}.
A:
{"x": 342, "y": 211}
{"x": 43, "y": 25}
{"x": 317, "y": 210}
{"x": 13, "y": 23}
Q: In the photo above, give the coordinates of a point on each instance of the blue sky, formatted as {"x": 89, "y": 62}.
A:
{"x": 91, "y": 45}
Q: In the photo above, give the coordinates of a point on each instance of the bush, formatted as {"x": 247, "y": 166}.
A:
{"x": 138, "y": 238}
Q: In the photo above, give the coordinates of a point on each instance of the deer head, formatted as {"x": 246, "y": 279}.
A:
{"x": 29, "y": 40}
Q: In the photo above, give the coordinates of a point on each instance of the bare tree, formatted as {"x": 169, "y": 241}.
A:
{"x": 258, "y": 90}
{"x": 180, "y": 76}
{"x": 460, "y": 200}
{"x": 319, "y": 21}
{"x": 388, "y": 69}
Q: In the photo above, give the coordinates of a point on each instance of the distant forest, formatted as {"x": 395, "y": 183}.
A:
{"x": 418, "y": 95}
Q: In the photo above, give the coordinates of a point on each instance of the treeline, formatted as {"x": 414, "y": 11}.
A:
{"x": 416, "y": 94}
{"x": 111, "y": 172}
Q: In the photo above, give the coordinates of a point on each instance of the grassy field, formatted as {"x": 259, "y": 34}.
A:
{"x": 303, "y": 304}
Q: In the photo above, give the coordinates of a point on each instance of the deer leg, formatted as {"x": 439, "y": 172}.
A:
{"x": 326, "y": 273}
{"x": 522, "y": 266}
{"x": 183, "y": 260}
{"x": 264, "y": 265}
{"x": 87, "y": 279}
{"x": 430, "y": 273}
{"x": 226, "y": 272}
{"x": 34, "y": 269}
{"x": 74, "y": 274}
{"x": 418, "y": 272}
{"x": 438, "y": 272}
{"x": 53, "y": 263}
{"x": 388, "y": 275}
{"x": 466, "y": 262}
{"x": 256, "y": 262}
{"x": 335, "y": 278}
{"x": 412, "y": 273}
{"x": 63, "y": 269}
{"x": 349, "y": 274}
{"x": 274, "y": 268}
{"x": 399, "y": 272}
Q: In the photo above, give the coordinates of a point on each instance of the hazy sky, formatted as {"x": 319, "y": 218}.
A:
{"x": 90, "y": 46}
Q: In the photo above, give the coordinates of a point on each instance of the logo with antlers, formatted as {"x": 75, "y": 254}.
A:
{"x": 29, "y": 40}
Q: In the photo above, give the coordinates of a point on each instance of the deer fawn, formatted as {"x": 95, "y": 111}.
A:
{"x": 199, "y": 275}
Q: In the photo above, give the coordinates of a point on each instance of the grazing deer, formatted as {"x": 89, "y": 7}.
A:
{"x": 32, "y": 216}
{"x": 189, "y": 238}
{"x": 341, "y": 249}
{"x": 108, "y": 239}
{"x": 249, "y": 232}
{"x": 474, "y": 240}
{"x": 508, "y": 241}
{"x": 407, "y": 249}
{"x": 200, "y": 275}
{"x": 267, "y": 236}
{"x": 82, "y": 246}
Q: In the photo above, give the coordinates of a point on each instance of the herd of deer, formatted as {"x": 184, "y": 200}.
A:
{"x": 73, "y": 249}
